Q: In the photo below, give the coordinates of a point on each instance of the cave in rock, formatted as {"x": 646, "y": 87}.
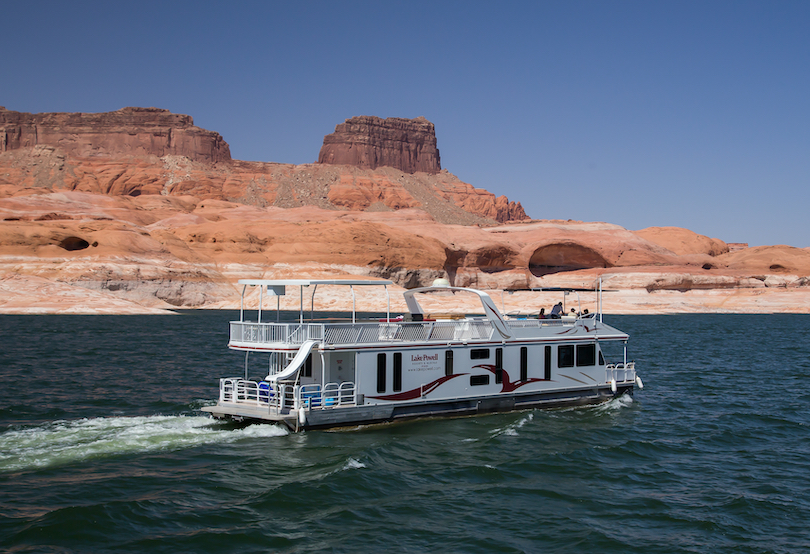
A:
{"x": 74, "y": 243}
{"x": 558, "y": 257}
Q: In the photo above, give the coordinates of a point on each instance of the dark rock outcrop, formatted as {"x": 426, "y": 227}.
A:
{"x": 369, "y": 142}
{"x": 126, "y": 132}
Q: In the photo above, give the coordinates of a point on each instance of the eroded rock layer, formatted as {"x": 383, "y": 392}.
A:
{"x": 369, "y": 142}
{"x": 156, "y": 251}
{"x": 126, "y": 132}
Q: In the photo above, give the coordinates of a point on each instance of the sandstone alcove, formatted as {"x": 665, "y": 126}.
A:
{"x": 491, "y": 259}
{"x": 557, "y": 257}
{"x": 74, "y": 243}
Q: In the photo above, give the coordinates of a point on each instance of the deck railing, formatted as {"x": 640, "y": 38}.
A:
{"x": 252, "y": 333}
{"x": 621, "y": 373}
{"x": 283, "y": 398}
{"x": 533, "y": 322}
{"x": 236, "y": 390}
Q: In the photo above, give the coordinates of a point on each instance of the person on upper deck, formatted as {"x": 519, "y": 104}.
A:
{"x": 556, "y": 311}
{"x": 542, "y": 314}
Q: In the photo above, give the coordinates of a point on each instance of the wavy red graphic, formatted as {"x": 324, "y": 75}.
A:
{"x": 419, "y": 391}
{"x": 506, "y": 384}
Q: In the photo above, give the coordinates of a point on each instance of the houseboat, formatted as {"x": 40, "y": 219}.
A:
{"x": 338, "y": 373}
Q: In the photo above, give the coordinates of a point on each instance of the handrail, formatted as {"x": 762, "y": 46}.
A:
{"x": 238, "y": 390}
{"x": 620, "y": 372}
{"x": 534, "y": 322}
{"x": 282, "y": 397}
{"x": 249, "y": 333}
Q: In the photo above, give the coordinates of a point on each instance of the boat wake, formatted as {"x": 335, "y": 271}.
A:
{"x": 352, "y": 463}
{"x": 614, "y": 404}
{"x": 65, "y": 442}
{"x": 511, "y": 430}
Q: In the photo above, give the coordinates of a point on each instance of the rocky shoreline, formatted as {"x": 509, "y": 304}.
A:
{"x": 20, "y": 294}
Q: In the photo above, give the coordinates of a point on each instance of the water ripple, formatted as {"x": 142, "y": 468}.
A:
{"x": 712, "y": 456}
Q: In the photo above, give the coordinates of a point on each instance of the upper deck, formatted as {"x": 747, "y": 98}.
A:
{"x": 492, "y": 326}
{"x": 261, "y": 336}
{"x": 251, "y": 335}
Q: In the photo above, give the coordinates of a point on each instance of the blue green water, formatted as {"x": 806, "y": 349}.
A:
{"x": 103, "y": 449}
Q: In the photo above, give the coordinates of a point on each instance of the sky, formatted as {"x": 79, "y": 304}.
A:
{"x": 682, "y": 113}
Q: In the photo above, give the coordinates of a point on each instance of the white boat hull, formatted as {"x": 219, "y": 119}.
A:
{"x": 382, "y": 413}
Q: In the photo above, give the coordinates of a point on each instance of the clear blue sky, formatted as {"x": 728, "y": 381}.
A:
{"x": 691, "y": 114}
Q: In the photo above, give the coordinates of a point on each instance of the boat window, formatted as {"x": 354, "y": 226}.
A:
{"x": 586, "y": 354}
{"x": 381, "y": 372}
{"x": 547, "y": 364}
{"x": 524, "y": 363}
{"x": 601, "y": 359}
{"x": 448, "y": 362}
{"x": 565, "y": 356}
{"x": 476, "y": 380}
{"x": 479, "y": 354}
{"x": 308, "y": 366}
{"x": 499, "y": 365}
{"x": 397, "y": 371}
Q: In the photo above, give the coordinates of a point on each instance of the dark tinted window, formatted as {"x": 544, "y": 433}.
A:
{"x": 524, "y": 363}
{"x": 547, "y": 364}
{"x": 476, "y": 380}
{"x": 380, "y": 372}
{"x": 586, "y": 354}
{"x": 448, "y": 362}
{"x": 565, "y": 356}
{"x": 479, "y": 354}
{"x": 397, "y": 371}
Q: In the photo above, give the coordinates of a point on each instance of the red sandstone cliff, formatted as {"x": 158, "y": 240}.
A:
{"x": 126, "y": 132}
{"x": 370, "y": 142}
{"x": 159, "y": 251}
{"x": 137, "y": 151}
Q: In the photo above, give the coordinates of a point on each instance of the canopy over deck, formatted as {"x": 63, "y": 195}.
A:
{"x": 308, "y": 282}
{"x": 566, "y": 290}
{"x": 490, "y": 310}
{"x": 277, "y": 288}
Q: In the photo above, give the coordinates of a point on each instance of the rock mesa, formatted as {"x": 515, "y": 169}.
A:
{"x": 126, "y": 132}
{"x": 369, "y": 142}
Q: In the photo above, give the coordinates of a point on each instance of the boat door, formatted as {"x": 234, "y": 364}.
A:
{"x": 341, "y": 367}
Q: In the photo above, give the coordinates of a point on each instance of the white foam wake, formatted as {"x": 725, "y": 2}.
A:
{"x": 64, "y": 442}
{"x": 352, "y": 463}
{"x": 614, "y": 404}
{"x": 512, "y": 429}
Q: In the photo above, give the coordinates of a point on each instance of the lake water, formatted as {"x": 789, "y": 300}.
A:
{"x": 103, "y": 449}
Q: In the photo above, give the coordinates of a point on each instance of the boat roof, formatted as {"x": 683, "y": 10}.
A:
{"x": 558, "y": 289}
{"x": 490, "y": 310}
{"x": 308, "y": 282}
